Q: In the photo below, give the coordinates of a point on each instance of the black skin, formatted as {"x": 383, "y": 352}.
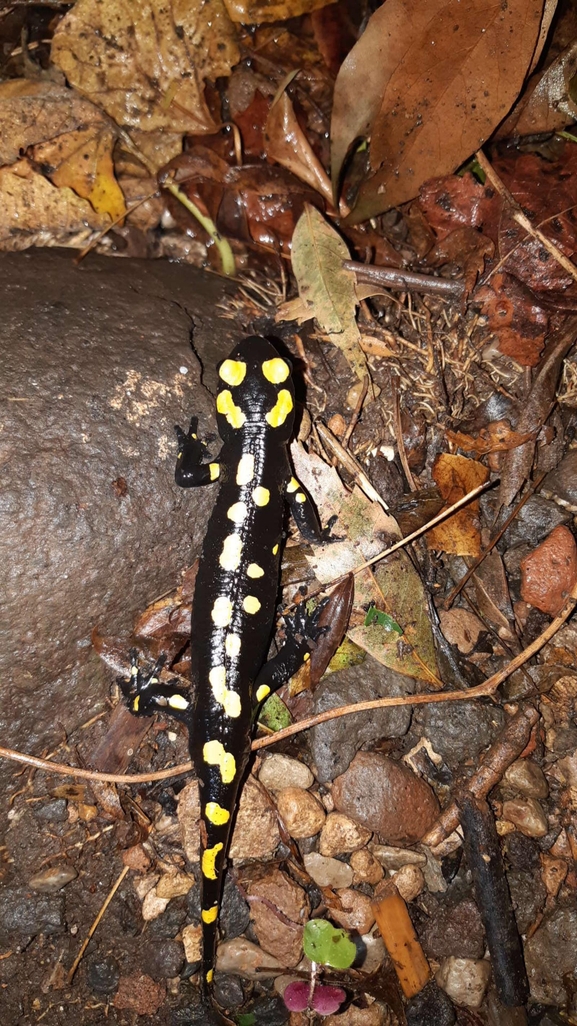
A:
{"x": 235, "y": 598}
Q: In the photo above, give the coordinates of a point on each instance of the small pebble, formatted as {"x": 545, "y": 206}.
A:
{"x": 192, "y": 940}
{"x": 527, "y": 815}
{"x": 328, "y": 872}
{"x": 465, "y": 980}
{"x": 162, "y": 959}
{"x": 430, "y": 1007}
{"x": 393, "y": 858}
{"x": 103, "y": 975}
{"x": 55, "y": 811}
{"x": 549, "y": 572}
{"x": 172, "y": 885}
{"x": 300, "y": 812}
{"x": 279, "y": 771}
{"x": 228, "y": 990}
{"x": 386, "y": 797}
{"x": 341, "y": 834}
{"x": 409, "y": 881}
{"x": 553, "y": 873}
{"x": 242, "y": 957}
{"x": 153, "y": 906}
{"x": 356, "y": 912}
{"x": 527, "y": 778}
{"x": 53, "y": 879}
{"x": 366, "y": 867}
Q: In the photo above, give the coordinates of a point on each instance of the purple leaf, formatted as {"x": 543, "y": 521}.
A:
{"x": 327, "y": 1000}
{"x": 296, "y": 996}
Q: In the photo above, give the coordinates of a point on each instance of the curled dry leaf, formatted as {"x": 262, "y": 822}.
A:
{"x": 287, "y": 144}
{"x": 428, "y": 82}
{"x": 548, "y": 104}
{"x": 145, "y": 61}
{"x": 498, "y": 436}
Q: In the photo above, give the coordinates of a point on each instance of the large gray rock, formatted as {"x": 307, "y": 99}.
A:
{"x": 96, "y": 368}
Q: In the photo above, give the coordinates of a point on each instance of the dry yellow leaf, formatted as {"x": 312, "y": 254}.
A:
{"x": 460, "y": 534}
{"x": 82, "y": 160}
{"x": 145, "y": 61}
{"x": 34, "y": 112}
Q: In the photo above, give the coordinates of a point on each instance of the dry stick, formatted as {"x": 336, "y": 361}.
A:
{"x": 508, "y": 747}
{"x": 92, "y": 929}
{"x": 487, "y": 688}
{"x": 394, "y": 278}
{"x": 521, "y": 219}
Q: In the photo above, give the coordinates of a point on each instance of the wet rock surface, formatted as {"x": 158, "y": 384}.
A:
{"x": 97, "y": 367}
{"x": 334, "y": 743}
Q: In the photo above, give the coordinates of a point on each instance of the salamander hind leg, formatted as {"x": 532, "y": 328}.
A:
{"x": 302, "y": 631}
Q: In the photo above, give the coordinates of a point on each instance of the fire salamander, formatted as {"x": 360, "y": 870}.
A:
{"x": 235, "y": 597}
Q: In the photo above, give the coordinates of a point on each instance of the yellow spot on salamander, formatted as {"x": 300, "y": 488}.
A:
{"x": 232, "y": 371}
{"x": 245, "y": 469}
{"x": 177, "y": 702}
{"x": 214, "y": 471}
{"x": 254, "y": 570}
{"x": 306, "y": 657}
{"x": 261, "y": 496}
{"x": 251, "y": 604}
{"x": 276, "y": 370}
{"x": 227, "y": 407}
{"x": 237, "y": 512}
{"x": 210, "y": 915}
{"x": 232, "y": 645}
{"x": 209, "y": 856}
{"x": 135, "y": 703}
{"x": 214, "y": 754}
{"x": 293, "y": 485}
{"x": 209, "y": 975}
{"x": 275, "y": 549}
{"x": 262, "y": 692}
{"x": 229, "y": 558}
{"x": 281, "y": 409}
{"x": 229, "y": 700}
{"x": 221, "y": 612}
{"x": 300, "y": 497}
{"x": 216, "y": 814}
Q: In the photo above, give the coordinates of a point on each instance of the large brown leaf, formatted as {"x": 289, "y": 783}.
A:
{"x": 428, "y": 82}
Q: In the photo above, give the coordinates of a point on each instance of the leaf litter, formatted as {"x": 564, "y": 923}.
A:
{"x": 427, "y": 392}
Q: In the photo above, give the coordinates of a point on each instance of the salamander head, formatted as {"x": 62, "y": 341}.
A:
{"x": 255, "y": 390}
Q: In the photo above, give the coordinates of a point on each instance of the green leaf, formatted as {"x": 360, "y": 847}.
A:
{"x": 375, "y": 615}
{"x": 324, "y": 943}
{"x": 246, "y": 1019}
{"x": 274, "y": 714}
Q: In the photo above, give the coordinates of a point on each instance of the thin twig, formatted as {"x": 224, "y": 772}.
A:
{"x": 94, "y": 926}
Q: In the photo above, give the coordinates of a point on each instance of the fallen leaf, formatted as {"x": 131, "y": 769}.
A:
{"x": 287, "y": 144}
{"x": 428, "y": 83}
{"x": 328, "y": 290}
{"x": 82, "y": 160}
{"x": 257, "y": 12}
{"x": 517, "y": 463}
{"x": 145, "y": 61}
{"x": 498, "y": 436}
{"x": 33, "y": 112}
{"x": 547, "y": 105}
{"x": 515, "y": 315}
{"x": 34, "y": 212}
{"x": 460, "y": 534}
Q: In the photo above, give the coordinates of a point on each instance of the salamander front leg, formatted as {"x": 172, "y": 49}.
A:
{"x": 190, "y": 471}
{"x": 145, "y": 695}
